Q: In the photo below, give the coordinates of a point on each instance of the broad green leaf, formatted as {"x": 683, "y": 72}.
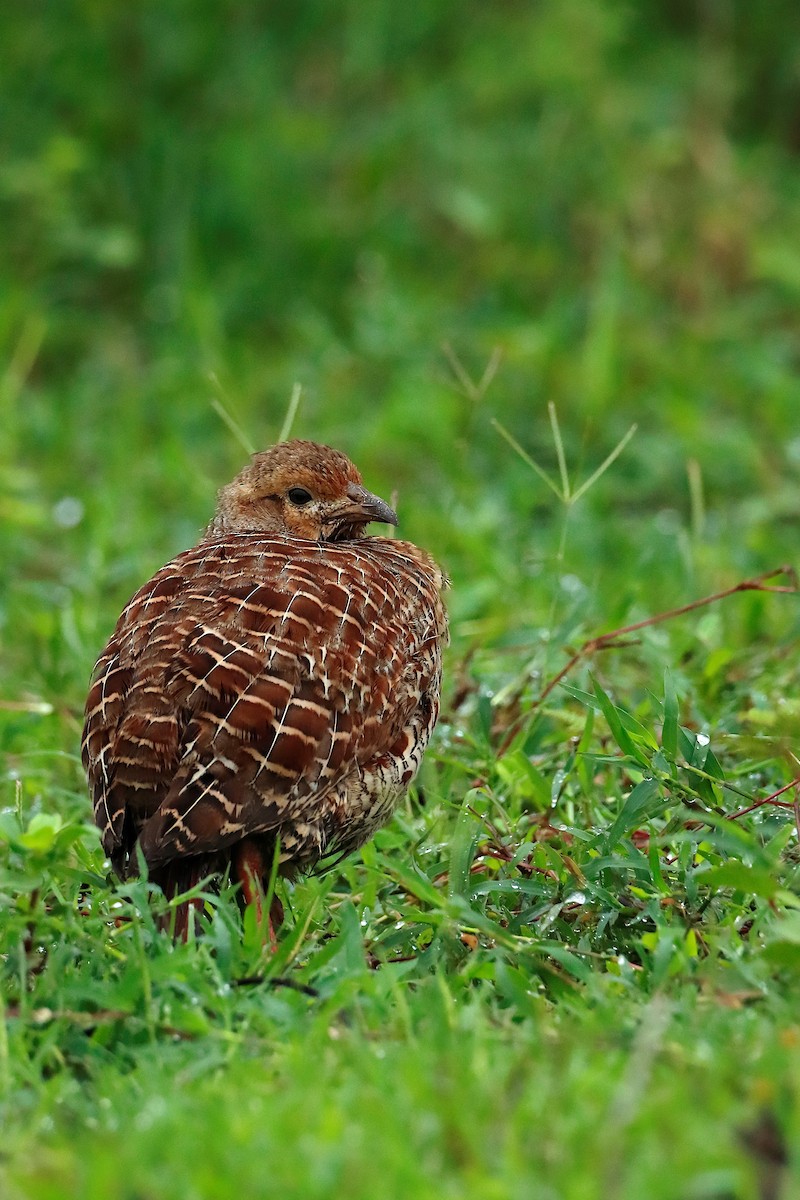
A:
{"x": 644, "y": 801}
{"x": 41, "y": 832}
{"x": 783, "y": 954}
{"x": 694, "y": 748}
{"x": 462, "y": 849}
{"x": 520, "y": 775}
{"x": 752, "y": 880}
{"x": 577, "y": 967}
{"x": 669, "y": 730}
{"x": 614, "y": 721}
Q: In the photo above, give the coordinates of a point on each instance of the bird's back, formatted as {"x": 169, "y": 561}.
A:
{"x": 263, "y": 685}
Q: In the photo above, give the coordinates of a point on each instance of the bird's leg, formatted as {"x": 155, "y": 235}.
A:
{"x": 248, "y": 863}
{"x": 250, "y": 868}
{"x": 173, "y": 879}
{"x": 186, "y": 915}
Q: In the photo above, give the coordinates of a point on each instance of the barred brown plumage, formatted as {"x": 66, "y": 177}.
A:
{"x": 280, "y": 680}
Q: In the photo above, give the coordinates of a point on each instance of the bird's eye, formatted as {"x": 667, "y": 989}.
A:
{"x": 299, "y": 495}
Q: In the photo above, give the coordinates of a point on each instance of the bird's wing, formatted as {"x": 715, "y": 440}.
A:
{"x": 242, "y": 685}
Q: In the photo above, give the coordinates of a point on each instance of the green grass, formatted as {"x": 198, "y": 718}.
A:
{"x": 568, "y": 968}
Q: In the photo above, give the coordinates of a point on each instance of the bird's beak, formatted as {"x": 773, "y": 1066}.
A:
{"x": 366, "y": 507}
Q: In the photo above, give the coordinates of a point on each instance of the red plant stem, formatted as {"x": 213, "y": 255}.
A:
{"x": 770, "y": 800}
{"x": 606, "y": 641}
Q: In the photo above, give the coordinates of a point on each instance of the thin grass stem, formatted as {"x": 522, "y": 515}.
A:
{"x": 291, "y": 412}
{"x": 604, "y": 465}
{"x": 560, "y": 455}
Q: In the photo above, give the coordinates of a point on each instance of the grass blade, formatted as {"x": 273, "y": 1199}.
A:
{"x": 604, "y": 465}
{"x": 669, "y": 730}
{"x": 526, "y": 458}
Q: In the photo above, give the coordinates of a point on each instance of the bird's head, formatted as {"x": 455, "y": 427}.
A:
{"x": 302, "y": 490}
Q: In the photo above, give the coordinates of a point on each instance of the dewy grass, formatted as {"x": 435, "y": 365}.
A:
{"x": 568, "y": 968}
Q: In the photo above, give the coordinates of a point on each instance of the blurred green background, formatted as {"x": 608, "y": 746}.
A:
{"x": 213, "y": 201}
{"x": 221, "y": 199}
{"x": 433, "y": 217}
{"x": 325, "y": 193}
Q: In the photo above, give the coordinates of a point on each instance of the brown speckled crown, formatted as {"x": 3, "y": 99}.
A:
{"x": 280, "y": 678}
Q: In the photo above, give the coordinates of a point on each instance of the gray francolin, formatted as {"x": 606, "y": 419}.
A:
{"x": 276, "y": 684}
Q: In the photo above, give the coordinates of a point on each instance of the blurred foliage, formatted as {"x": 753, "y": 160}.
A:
{"x": 271, "y": 191}
{"x": 216, "y": 200}
{"x": 432, "y": 217}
